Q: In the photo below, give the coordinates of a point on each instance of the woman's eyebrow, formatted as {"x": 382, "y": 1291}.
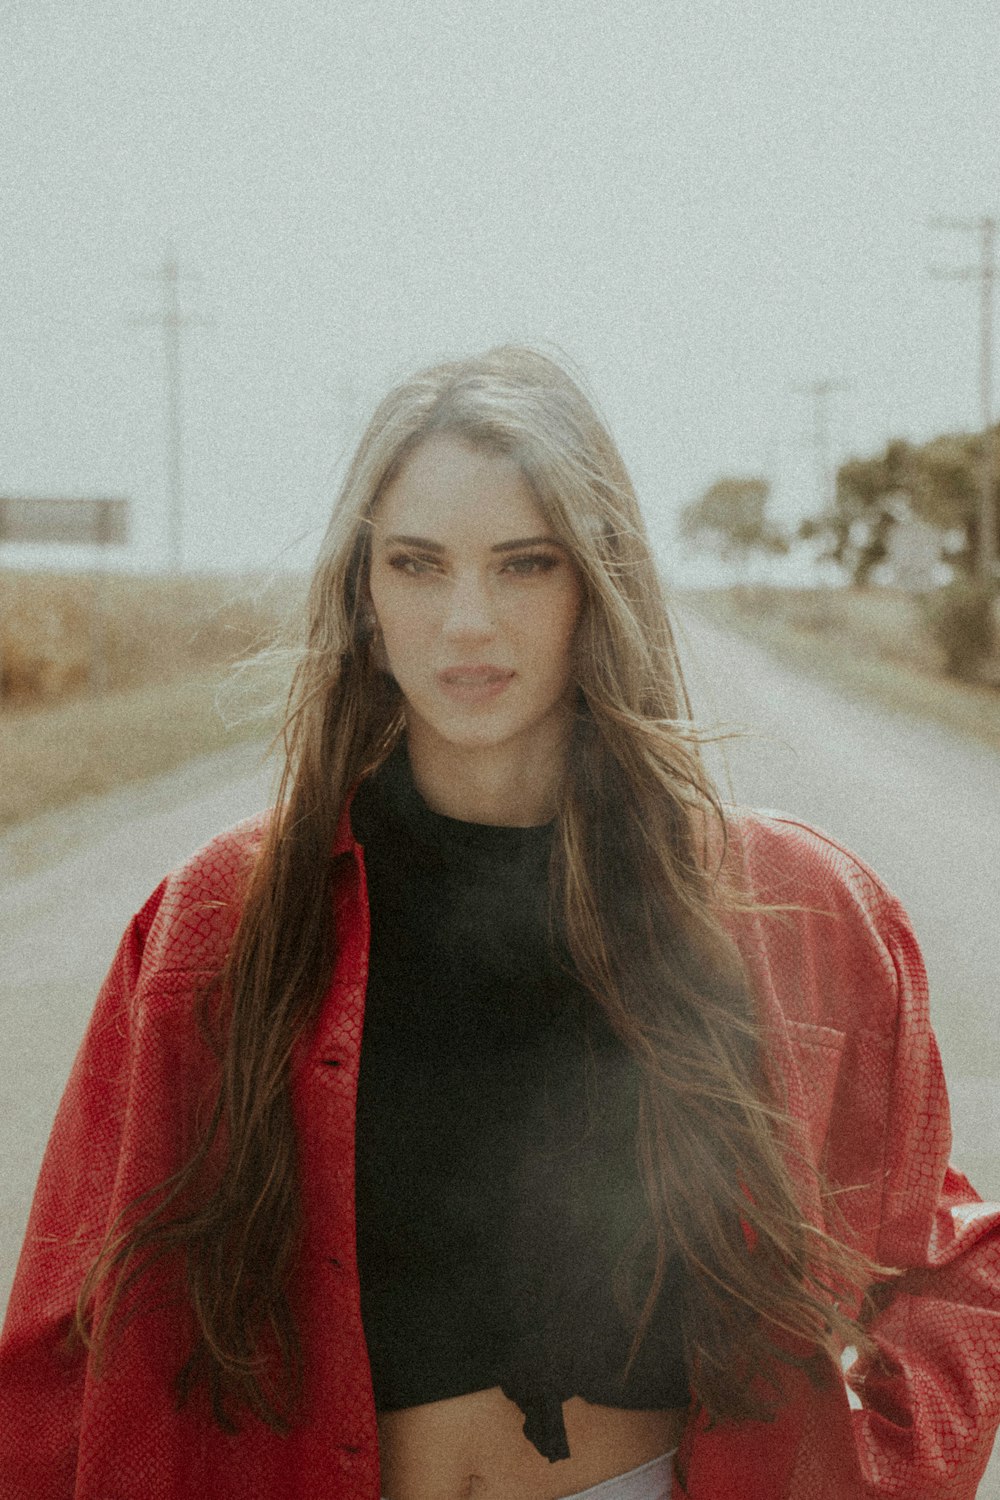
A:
{"x": 426, "y": 545}
{"x": 423, "y": 542}
{"x": 527, "y": 541}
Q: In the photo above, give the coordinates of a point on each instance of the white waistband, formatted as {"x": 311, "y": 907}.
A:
{"x": 650, "y": 1481}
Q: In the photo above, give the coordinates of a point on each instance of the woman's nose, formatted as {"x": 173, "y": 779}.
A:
{"x": 470, "y": 610}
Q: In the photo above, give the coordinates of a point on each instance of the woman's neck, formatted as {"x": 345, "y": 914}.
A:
{"x": 499, "y": 784}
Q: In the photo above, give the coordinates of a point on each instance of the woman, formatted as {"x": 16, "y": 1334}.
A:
{"x": 501, "y": 1117}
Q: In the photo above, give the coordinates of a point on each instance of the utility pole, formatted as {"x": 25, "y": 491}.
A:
{"x": 171, "y": 321}
{"x": 986, "y": 274}
{"x": 821, "y": 391}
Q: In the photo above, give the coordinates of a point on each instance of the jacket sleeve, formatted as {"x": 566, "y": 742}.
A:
{"x": 916, "y": 1420}
{"x": 930, "y": 1397}
{"x": 42, "y": 1375}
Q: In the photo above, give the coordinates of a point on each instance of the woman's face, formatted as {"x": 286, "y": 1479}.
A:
{"x": 476, "y": 600}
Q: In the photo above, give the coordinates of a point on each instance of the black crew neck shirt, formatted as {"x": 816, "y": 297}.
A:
{"x": 499, "y": 1204}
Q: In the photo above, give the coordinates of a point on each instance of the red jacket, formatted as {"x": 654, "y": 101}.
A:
{"x": 843, "y": 997}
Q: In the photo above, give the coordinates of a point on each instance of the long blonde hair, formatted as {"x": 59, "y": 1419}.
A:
{"x": 636, "y": 894}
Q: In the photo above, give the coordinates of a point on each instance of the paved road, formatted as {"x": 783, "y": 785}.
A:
{"x": 918, "y": 803}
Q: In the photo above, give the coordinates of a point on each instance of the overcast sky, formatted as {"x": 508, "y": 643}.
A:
{"x": 703, "y": 204}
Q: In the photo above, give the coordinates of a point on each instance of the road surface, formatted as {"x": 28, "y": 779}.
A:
{"x": 919, "y": 803}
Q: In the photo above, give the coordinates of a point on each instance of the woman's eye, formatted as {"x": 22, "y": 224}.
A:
{"x": 532, "y": 563}
{"x": 414, "y": 567}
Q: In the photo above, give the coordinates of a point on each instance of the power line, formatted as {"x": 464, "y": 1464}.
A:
{"x": 986, "y": 274}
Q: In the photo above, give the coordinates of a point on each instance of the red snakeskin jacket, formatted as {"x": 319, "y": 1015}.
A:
{"x": 843, "y": 997}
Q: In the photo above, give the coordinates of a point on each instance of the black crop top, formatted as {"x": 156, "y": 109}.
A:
{"x": 497, "y": 1187}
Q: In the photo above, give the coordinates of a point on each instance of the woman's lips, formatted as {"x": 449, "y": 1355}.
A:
{"x": 476, "y": 684}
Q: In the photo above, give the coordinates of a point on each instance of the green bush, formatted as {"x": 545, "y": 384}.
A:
{"x": 959, "y": 618}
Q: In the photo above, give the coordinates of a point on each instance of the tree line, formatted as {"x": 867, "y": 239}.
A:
{"x": 935, "y": 484}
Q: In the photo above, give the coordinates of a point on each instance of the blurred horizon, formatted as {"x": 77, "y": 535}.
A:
{"x": 708, "y": 210}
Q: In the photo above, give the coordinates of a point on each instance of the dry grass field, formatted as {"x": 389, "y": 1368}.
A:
{"x": 870, "y": 642}
{"x": 64, "y": 635}
{"x": 111, "y": 679}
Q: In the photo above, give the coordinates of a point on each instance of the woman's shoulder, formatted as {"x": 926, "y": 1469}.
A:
{"x": 786, "y": 859}
{"x": 188, "y": 922}
{"x": 836, "y": 938}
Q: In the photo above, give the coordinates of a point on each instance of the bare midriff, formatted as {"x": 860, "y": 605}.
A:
{"x": 472, "y": 1447}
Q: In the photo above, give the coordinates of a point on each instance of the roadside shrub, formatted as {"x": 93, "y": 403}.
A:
{"x": 959, "y": 619}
